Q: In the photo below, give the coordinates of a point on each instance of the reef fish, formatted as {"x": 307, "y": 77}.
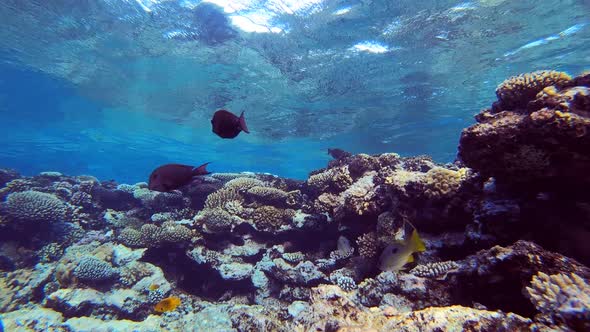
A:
{"x": 167, "y": 304}
{"x": 339, "y": 153}
{"x": 228, "y": 125}
{"x": 173, "y": 176}
{"x": 396, "y": 255}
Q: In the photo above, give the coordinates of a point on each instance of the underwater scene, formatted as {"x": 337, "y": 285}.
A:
{"x": 294, "y": 165}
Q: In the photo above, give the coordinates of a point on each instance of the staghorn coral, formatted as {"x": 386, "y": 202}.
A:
{"x": 92, "y": 269}
{"x": 562, "y": 298}
{"x": 517, "y": 91}
{"x": 234, "y": 208}
{"x": 441, "y": 182}
{"x": 368, "y": 245}
{"x": 35, "y": 206}
{"x": 219, "y": 198}
{"x": 438, "y": 270}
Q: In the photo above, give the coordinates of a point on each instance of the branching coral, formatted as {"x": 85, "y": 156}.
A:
{"x": 293, "y": 257}
{"x": 268, "y": 195}
{"x": 151, "y": 234}
{"x": 563, "y": 297}
{"x": 334, "y": 179}
{"x": 320, "y": 181}
{"x": 131, "y": 238}
{"x": 93, "y": 269}
{"x": 243, "y": 183}
{"x": 438, "y": 270}
{"x": 270, "y": 218}
{"x": 35, "y": 206}
{"x": 327, "y": 202}
{"x": 219, "y": 198}
{"x": 175, "y": 233}
{"x": 517, "y": 91}
{"x": 368, "y": 245}
{"x": 215, "y": 220}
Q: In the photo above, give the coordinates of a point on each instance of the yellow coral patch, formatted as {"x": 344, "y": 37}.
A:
{"x": 167, "y": 304}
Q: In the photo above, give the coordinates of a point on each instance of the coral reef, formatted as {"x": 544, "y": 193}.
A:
{"x": 545, "y": 143}
{"x": 505, "y": 230}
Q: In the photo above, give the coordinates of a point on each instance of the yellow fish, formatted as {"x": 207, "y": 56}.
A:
{"x": 167, "y": 304}
{"x": 396, "y": 255}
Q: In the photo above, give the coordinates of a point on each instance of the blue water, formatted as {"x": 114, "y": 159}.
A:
{"x": 116, "y": 88}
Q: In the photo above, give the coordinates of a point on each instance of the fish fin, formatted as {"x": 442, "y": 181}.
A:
{"x": 243, "y": 125}
{"x": 416, "y": 242}
{"x": 410, "y": 259}
{"x": 201, "y": 170}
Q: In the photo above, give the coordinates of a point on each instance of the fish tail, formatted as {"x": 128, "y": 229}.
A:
{"x": 243, "y": 125}
{"x": 201, "y": 170}
{"x": 416, "y": 242}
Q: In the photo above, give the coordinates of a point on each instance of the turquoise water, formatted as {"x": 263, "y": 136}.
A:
{"x": 115, "y": 88}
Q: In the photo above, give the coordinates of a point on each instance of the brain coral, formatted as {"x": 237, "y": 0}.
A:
{"x": 517, "y": 91}
{"x": 93, "y": 269}
{"x": 35, "y": 206}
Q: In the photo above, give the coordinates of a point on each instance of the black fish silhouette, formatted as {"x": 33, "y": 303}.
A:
{"x": 228, "y": 125}
{"x": 173, "y": 176}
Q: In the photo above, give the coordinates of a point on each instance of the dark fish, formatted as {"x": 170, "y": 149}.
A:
{"x": 173, "y": 176}
{"x": 228, "y": 125}
{"x": 339, "y": 153}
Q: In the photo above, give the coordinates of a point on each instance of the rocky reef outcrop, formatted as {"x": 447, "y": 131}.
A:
{"x": 504, "y": 229}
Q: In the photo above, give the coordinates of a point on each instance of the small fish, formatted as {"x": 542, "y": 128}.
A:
{"x": 339, "y": 153}
{"x": 153, "y": 287}
{"x": 395, "y": 256}
{"x": 173, "y": 176}
{"x": 228, "y": 125}
{"x": 167, "y": 304}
